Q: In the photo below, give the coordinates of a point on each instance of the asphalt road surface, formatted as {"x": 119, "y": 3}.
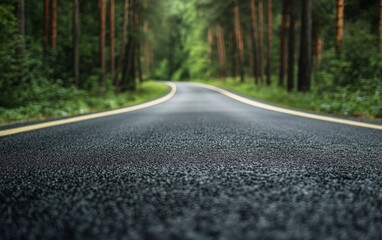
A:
{"x": 199, "y": 166}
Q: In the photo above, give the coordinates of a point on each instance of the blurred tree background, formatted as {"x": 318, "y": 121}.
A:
{"x": 321, "y": 55}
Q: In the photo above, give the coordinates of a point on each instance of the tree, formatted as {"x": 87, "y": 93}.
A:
{"x": 261, "y": 40}
{"x": 250, "y": 54}
{"x": 102, "y": 35}
{"x": 232, "y": 48}
{"x": 76, "y": 33}
{"x": 46, "y": 25}
{"x": 380, "y": 23}
{"x": 256, "y": 57}
{"x": 291, "y": 45}
{"x": 305, "y": 46}
{"x": 210, "y": 39}
{"x": 54, "y": 25}
{"x": 283, "y": 43}
{"x": 112, "y": 38}
{"x": 239, "y": 39}
{"x": 339, "y": 25}
{"x": 269, "y": 41}
{"x": 221, "y": 51}
{"x": 123, "y": 40}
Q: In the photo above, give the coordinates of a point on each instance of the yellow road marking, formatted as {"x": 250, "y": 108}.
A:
{"x": 91, "y": 116}
{"x": 288, "y": 111}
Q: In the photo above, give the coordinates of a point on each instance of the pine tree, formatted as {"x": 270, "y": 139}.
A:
{"x": 291, "y": 45}
{"x": 305, "y": 59}
{"x": 283, "y": 43}
{"x": 76, "y": 33}
{"x": 269, "y": 41}
{"x": 339, "y": 25}
{"x": 102, "y": 40}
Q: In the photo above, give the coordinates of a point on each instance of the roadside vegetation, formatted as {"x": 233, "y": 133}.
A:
{"x": 342, "y": 102}
{"x": 59, "y": 58}
{"x": 61, "y": 102}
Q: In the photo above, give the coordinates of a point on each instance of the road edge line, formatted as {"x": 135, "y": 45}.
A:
{"x": 288, "y": 111}
{"x": 69, "y": 120}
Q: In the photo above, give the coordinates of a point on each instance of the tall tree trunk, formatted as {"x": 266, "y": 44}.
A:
{"x": 380, "y": 24}
{"x": 261, "y": 33}
{"x": 123, "y": 40}
{"x": 137, "y": 48}
{"x": 139, "y": 63}
{"x": 250, "y": 55}
{"x": 239, "y": 39}
{"x": 256, "y": 57}
{"x": 146, "y": 49}
{"x": 221, "y": 51}
{"x": 112, "y": 38}
{"x": 21, "y": 26}
{"x": 318, "y": 42}
{"x": 291, "y": 45}
{"x": 210, "y": 39}
{"x": 54, "y": 25}
{"x": 146, "y": 46}
{"x": 76, "y": 34}
{"x": 129, "y": 66}
{"x": 46, "y": 25}
{"x": 269, "y": 41}
{"x": 283, "y": 43}
{"x": 128, "y": 69}
{"x": 304, "y": 68}
{"x": 339, "y": 25}
{"x": 102, "y": 40}
{"x": 232, "y": 54}
{"x": 319, "y": 48}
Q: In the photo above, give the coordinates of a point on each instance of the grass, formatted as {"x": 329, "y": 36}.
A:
{"x": 80, "y": 102}
{"x": 342, "y": 102}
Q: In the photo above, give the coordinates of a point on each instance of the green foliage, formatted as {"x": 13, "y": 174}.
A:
{"x": 343, "y": 101}
{"x": 56, "y": 101}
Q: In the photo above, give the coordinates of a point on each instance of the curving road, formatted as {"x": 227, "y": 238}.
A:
{"x": 199, "y": 166}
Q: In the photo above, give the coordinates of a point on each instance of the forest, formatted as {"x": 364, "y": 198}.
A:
{"x": 70, "y": 57}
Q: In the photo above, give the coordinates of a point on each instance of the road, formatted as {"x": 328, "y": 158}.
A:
{"x": 198, "y": 166}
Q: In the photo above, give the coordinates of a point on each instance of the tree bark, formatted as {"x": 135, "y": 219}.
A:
{"x": 339, "y": 25}
{"x": 76, "y": 34}
{"x": 319, "y": 48}
{"x": 304, "y": 69}
{"x": 54, "y": 25}
{"x": 250, "y": 55}
{"x": 123, "y": 40}
{"x": 283, "y": 43}
{"x": 147, "y": 58}
{"x": 102, "y": 40}
{"x": 269, "y": 41}
{"x": 112, "y": 38}
{"x": 46, "y": 25}
{"x": 232, "y": 53}
{"x": 291, "y": 45}
{"x": 137, "y": 48}
{"x": 239, "y": 39}
{"x": 261, "y": 34}
{"x": 256, "y": 57}
{"x": 221, "y": 51}
{"x": 380, "y": 24}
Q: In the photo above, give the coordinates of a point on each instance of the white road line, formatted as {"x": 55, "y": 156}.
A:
{"x": 289, "y": 111}
{"x": 91, "y": 116}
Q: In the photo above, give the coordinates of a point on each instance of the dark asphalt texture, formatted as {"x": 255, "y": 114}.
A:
{"x": 199, "y": 166}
